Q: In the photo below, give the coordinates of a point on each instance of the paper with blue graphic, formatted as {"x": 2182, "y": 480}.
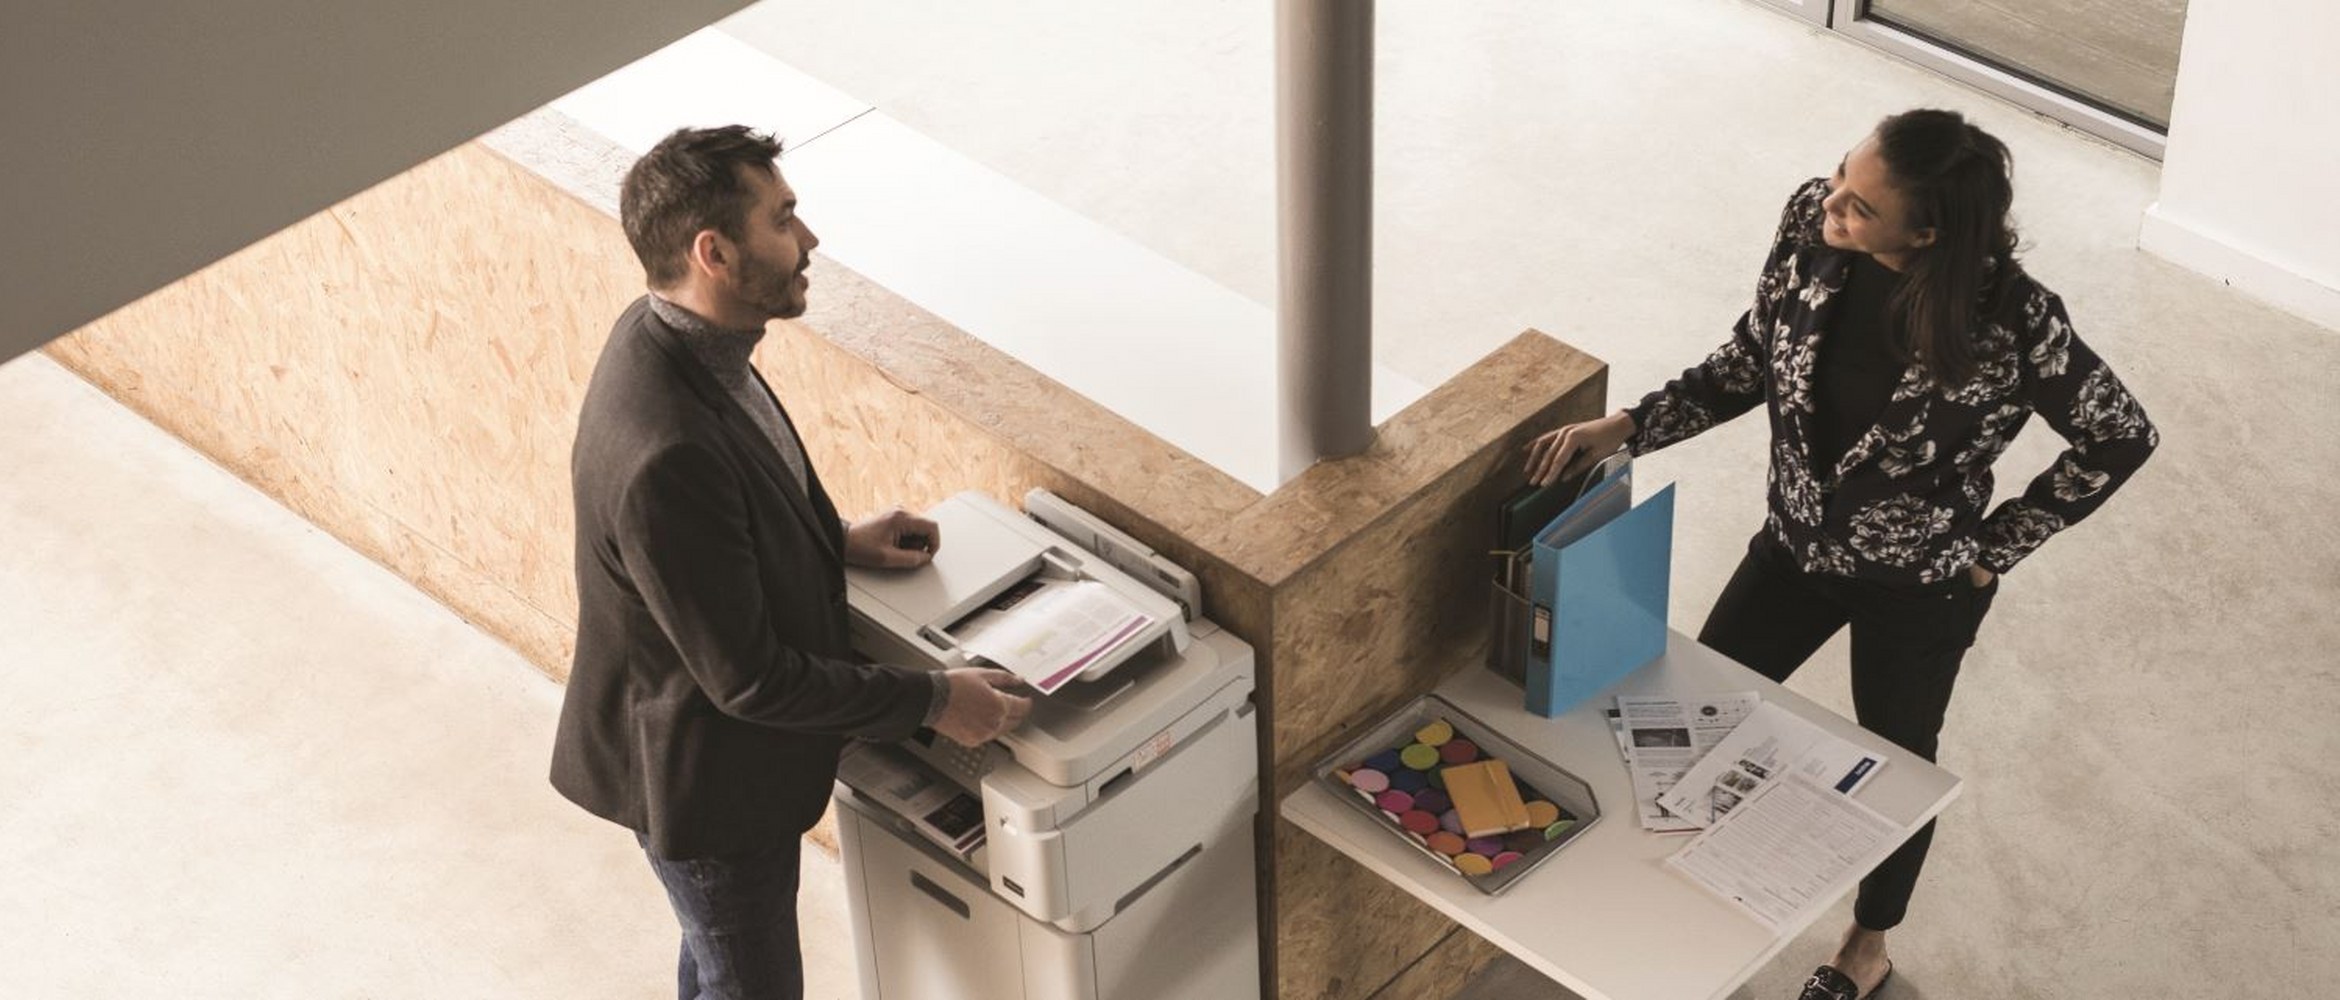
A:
{"x": 1601, "y": 571}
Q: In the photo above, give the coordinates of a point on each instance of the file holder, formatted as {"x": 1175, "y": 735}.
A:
{"x": 1510, "y": 604}
{"x": 1510, "y": 615}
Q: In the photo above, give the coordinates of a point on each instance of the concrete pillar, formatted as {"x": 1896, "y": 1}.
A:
{"x": 1324, "y": 194}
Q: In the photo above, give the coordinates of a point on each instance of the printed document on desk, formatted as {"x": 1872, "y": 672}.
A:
{"x": 1665, "y": 736}
{"x": 1047, "y": 631}
{"x": 1770, "y": 742}
{"x": 1784, "y": 849}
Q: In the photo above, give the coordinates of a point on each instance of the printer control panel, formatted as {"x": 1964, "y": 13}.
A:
{"x": 963, "y": 764}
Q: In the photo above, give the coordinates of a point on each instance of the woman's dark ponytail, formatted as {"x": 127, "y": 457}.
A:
{"x": 1955, "y": 178}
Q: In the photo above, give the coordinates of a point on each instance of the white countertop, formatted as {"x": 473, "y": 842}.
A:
{"x": 1604, "y": 916}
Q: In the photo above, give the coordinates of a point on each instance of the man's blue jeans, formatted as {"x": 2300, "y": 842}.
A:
{"x": 738, "y": 916}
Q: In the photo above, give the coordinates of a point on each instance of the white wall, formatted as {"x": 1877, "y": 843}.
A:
{"x": 2250, "y": 186}
{"x": 140, "y": 141}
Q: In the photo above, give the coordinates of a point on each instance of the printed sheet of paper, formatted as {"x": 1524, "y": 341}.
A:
{"x": 1784, "y": 850}
{"x": 942, "y": 811}
{"x": 1771, "y": 741}
{"x": 1047, "y": 631}
{"x": 1666, "y": 735}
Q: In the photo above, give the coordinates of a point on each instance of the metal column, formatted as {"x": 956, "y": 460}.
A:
{"x": 1324, "y": 194}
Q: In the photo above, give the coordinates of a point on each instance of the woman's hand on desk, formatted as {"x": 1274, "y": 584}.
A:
{"x": 1575, "y": 447}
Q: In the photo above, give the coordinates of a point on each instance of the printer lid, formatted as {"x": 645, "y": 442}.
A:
{"x": 974, "y": 563}
{"x": 986, "y": 549}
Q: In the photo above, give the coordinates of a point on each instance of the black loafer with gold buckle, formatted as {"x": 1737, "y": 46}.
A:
{"x": 1827, "y": 983}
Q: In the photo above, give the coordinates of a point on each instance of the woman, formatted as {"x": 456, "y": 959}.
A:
{"x": 1897, "y": 347}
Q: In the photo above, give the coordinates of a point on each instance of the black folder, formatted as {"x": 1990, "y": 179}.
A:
{"x": 1529, "y": 509}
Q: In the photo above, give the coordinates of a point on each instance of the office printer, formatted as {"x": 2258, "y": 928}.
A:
{"x": 1102, "y": 850}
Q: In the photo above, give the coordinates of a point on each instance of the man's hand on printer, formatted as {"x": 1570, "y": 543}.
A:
{"x": 980, "y": 707}
{"x": 896, "y": 539}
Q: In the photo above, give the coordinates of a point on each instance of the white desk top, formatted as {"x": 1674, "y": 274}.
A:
{"x": 1604, "y": 917}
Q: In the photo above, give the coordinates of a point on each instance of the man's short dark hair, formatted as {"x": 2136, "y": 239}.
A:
{"x": 690, "y": 181}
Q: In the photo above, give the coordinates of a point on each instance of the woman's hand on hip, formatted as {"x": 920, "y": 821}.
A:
{"x": 1575, "y": 447}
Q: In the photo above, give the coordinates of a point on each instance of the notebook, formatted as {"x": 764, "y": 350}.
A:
{"x": 1486, "y": 800}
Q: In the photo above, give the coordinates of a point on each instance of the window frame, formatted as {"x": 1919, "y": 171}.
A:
{"x": 1849, "y": 19}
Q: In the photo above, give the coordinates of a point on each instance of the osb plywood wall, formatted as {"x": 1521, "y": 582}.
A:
{"x": 1387, "y": 606}
{"x": 404, "y": 370}
{"x": 1382, "y": 595}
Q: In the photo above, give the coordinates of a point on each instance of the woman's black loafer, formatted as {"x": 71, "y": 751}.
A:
{"x": 1829, "y": 984}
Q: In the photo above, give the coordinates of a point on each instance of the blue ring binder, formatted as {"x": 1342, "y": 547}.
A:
{"x": 1600, "y": 575}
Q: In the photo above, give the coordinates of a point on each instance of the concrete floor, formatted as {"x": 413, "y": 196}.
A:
{"x": 294, "y": 776}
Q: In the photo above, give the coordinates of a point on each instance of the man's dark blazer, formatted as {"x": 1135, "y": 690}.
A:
{"x": 713, "y": 686}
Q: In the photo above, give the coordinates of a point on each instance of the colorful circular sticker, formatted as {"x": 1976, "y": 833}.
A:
{"x": 1366, "y": 779}
{"x": 1409, "y": 781}
{"x": 1458, "y": 752}
{"x": 1384, "y": 762}
{"x": 1419, "y": 822}
{"x": 1394, "y": 801}
{"x": 1449, "y": 844}
{"x": 1542, "y": 813}
{"x": 1500, "y": 861}
{"x": 1450, "y": 822}
{"x": 1435, "y": 733}
{"x": 1432, "y": 799}
{"x": 1488, "y": 846}
{"x": 1419, "y": 757}
{"x": 1473, "y": 864}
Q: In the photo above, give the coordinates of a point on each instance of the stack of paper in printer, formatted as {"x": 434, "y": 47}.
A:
{"x": 941, "y": 811}
{"x": 1047, "y": 631}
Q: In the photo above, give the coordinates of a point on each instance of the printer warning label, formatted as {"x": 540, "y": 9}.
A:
{"x": 1154, "y": 749}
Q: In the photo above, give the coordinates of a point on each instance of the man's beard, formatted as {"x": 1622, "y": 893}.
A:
{"x": 769, "y": 287}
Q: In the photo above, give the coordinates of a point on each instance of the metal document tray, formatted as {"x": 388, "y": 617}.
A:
{"x": 1559, "y": 787}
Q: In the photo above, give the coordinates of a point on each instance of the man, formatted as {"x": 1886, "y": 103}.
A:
{"x": 713, "y": 685}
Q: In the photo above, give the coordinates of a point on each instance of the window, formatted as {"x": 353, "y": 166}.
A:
{"x": 2108, "y": 67}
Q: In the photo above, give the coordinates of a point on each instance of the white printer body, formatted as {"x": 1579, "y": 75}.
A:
{"x": 1116, "y": 824}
